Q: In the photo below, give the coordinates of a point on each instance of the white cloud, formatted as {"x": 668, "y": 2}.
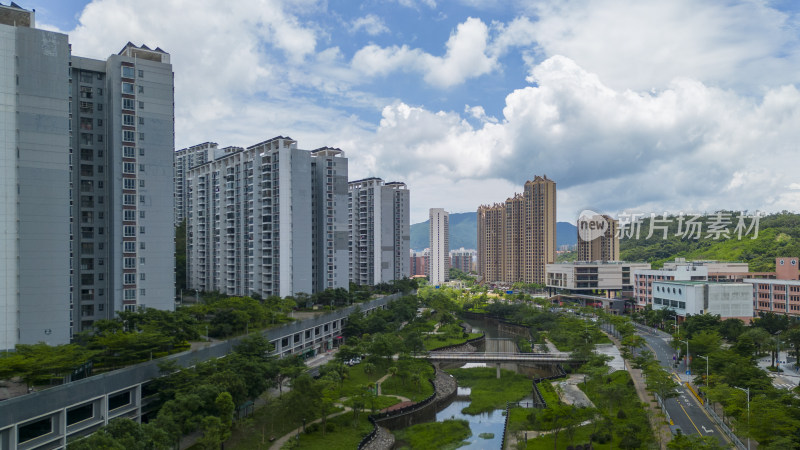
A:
{"x": 415, "y": 4}
{"x": 371, "y": 24}
{"x": 641, "y": 45}
{"x": 687, "y": 147}
{"x": 465, "y": 57}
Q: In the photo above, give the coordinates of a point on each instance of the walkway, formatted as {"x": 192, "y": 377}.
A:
{"x": 499, "y": 357}
{"x": 278, "y": 444}
{"x": 657, "y": 423}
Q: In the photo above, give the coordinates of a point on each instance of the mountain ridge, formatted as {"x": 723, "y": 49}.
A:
{"x": 464, "y": 232}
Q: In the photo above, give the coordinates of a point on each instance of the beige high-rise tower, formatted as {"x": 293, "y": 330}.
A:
{"x": 516, "y": 239}
{"x": 601, "y": 248}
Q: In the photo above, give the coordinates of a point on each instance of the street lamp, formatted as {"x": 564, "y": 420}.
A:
{"x": 687, "y": 352}
{"x": 747, "y": 390}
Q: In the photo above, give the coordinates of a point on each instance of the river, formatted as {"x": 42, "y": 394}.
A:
{"x": 491, "y": 422}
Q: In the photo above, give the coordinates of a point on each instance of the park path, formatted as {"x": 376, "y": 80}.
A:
{"x": 278, "y": 444}
{"x": 658, "y": 425}
{"x": 384, "y": 378}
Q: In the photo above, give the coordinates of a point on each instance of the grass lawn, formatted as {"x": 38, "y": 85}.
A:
{"x": 434, "y": 341}
{"x": 489, "y": 393}
{"x": 396, "y": 385}
{"x": 380, "y": 402}
{"x": 440, "y": 435}
{"x": 581, "y": 436}
{"x": 342, "y": 434}
{"x": 356, "y": 379}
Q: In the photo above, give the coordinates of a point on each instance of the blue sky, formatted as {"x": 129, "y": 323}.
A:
{"x": 634, "y": 106}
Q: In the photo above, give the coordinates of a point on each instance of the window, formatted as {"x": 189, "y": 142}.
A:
{"x": 87, "y": 139}
{"x": 141, "y": 276}
{"x": 128, "y": 103}
{"x": 87, "y": 217}
{"x": 141, "y": 151}
{"x": 129, "y": 231}
{"x": 86, "y": 123}
{"x": 141, "y": 183}
{"x": 142, "y": 292}
{"x": 86, "y": 92}
{"x": 99, "y": 106}
{"x": 141, "y": 136}
{"x": 128, "y": 167}
{"x": 130, "y": 278}
{"x": 141, "y": 230}
{"x": 87, "y": 154}
{"x": 86, "y": 77}
{"x": 128, "y": 136}
{"x": 141, "y": 105}
{"x": 141, "y": 89}
{"x": 141, "y": 260}
{"x": 99, "y": 122}
{"x": 128, "y": 120}
{"x": 141, "y": 245}
{"x": 141, "y": 73}
{"x": 127, "y": 88}
{"x": 129, "y": 215}
{"x": 101, "y": 261}
{"x": 129, "y": 294}
{"x": 128, "y": 199}
{"x": 128, "y": 183}
{"x": 141, "y": 199}
{"x": 127, "y": 72}
{"x": 141, "y": 120}
{"x": 141, "y": 167}
{"x": 141, "y": 214}
{"x": 128, "y": 151}
{"x": 129, "y": 247}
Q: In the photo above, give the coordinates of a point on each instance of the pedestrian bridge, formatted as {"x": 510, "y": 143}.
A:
{"x": 498, "y": 357}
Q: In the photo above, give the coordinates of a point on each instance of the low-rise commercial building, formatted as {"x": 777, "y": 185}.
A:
{"x": 728, "y": 300}
{"x": 586, "y": 277}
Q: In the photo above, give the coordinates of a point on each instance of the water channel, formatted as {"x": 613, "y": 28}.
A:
{"x": 491, "y": 422}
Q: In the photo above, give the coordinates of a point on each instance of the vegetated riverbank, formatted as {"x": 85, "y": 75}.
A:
{"x": 449, "y": 434}
{"x": 488, "y": 393}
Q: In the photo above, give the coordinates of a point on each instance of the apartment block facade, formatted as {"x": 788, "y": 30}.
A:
{"x": 268, "y": 220}
{"x": 420, "y": 262}
{"x": 185, "y": 159}
{"x": 439, "y": 261}
{"x": 586, "y": 277}
{"x": 517, "y": 239}
{"x": 87, "y": 147}
{"x": 780, "y": 295}
{"x": 602, "y": 248}
{"x": 380, "y": 231}
{"x": 463, "y": 259}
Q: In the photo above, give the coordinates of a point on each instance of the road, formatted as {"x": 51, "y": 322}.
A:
{"x": 685, "y": 410}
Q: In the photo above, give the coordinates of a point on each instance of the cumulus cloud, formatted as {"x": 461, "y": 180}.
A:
{"x": 643, "y": 45}
{"x": 371, "y": 24}
{"x": 465, "y": 57}
{"x": 686, "y": 147}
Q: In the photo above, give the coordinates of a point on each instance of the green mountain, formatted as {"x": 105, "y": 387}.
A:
{"x": 778, "y": 235}
{"x": 464, "y": 232}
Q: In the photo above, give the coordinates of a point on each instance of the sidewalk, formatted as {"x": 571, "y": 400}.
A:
{"x": 657, "y": 423}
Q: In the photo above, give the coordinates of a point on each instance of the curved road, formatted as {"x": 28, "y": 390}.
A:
{"x": 685, "y": 410}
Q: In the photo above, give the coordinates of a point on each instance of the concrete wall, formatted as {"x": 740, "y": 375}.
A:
{"x": 42, "y": 189}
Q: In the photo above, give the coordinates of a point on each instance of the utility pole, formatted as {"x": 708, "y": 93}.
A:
{"x": 706, "y": 358}
{"x": 747, "y": 390}
{"x": 687, "y": 352}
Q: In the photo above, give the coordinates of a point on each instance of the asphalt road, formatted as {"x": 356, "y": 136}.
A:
{"x": 685, "y": 410}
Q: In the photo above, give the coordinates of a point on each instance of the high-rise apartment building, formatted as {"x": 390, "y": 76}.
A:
{"x": 185, "y": 159}
{"x": 598, "y": 246}
{"x": 420, "y": 262}
{"x": 35, "y": 175}
{"x": 517, "y": 239}
{"x": 439, "y": 271}
{"x": 380, "y": 231}
{"x": 462, "y": 259}
{"x": 270, "y": 219}
{"x": 87, "y": 146}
